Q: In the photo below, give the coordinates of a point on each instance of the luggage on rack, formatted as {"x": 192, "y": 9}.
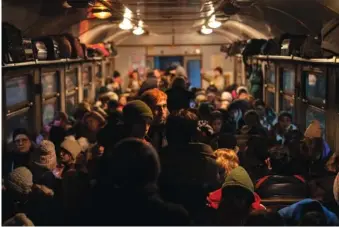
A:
{"x": 65, "y": 46}
{"x": 236, "y": 48}
{"x": 52, "y": 46}
{"x": 12, "y": 44}
{"x": 28, "y": 49}
{"x": 84, "y": 50}
{"x": 77, "y": 51}
{"x": 330, "y": 38}
{"x": 311, "y": 48}
{"x": 253, "y": 47}
{"x": 270, "y": 47}
{"x": 40, "y": 50}
{"x": 291, "y": 44}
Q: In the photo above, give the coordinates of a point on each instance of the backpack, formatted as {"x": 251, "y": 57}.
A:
{"x": 291, "y": 44}
{"x": 65, "y": 47}
{"x": 12, "y": 44}
{"x": 51, "y": 46}
{"x": 77, "y": 51}
{"x": 253, "y": 47}
{"x": 311, "y": 48}
{"x": 40, "y": 50}
{"x": 271, "y": 47}
{"x": 330, "y": 41}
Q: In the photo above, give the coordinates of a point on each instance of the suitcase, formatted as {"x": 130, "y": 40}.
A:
{"x": 65, "y": 47}
{"x": 28, "y": 49}
{"x": 330, "y": 36}
{"x": 12, "y": 44}
{"x": 311, "y": 48}
{"x": 291, "y": 44}
{"x": 77, "y": 51}
{"x": 53, "y": 51}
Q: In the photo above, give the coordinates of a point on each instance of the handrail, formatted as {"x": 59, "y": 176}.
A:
{"x": 47, "y": 62}
{"x": 294, "y": 58}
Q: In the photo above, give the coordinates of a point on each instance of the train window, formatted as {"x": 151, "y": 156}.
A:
{"x": 271, "y": 99}
{"x": 288, "y": 80}
{"x": 99, "y": 71}
{"x": 85, "y": 93}
{"x": 71, "y": 79}
{"x": 86, "y": 75}
{"x": 315, "y": 87}
{"x": 16, "y": 90}
{"x": 287, "y": 104}
{"x": 48, "y": 112}
{"x": 71, "y": 102}
{"x": 49, "y": 83}
{"x": 315, "y": 114}
{"x": 14, "y": 122}
{"x": 270, "y": 74}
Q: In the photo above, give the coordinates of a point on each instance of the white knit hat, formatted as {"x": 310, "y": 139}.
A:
{"x": 226, "y": 96}
{"x": 241, "y": 88}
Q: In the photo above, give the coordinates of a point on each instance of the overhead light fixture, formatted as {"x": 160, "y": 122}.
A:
{"x": 206, "y": 31}
{"x": 101, "y": 13}
{"x": 126, "y": 24}
{"x": 213, "y": 23}
{"x": 139, "y": 30}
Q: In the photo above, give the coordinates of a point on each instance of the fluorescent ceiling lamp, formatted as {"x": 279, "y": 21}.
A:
{"x": 138, "y": 31}
{"x": 206, "y": 31}
{"x": 101, "y": 13}
{"x": 126, "y": 24}
{"x": 213, "y": 23}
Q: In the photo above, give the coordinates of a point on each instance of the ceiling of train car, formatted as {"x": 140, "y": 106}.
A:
{"x": 266, "y": 18}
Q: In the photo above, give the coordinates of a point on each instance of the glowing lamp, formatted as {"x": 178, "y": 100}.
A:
{"x": 126, "y": 24}
{"x": 101, "y": 13}
{"x": 206, "y": 31}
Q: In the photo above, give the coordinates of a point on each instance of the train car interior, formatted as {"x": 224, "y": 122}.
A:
{"x": 160, "y": 109}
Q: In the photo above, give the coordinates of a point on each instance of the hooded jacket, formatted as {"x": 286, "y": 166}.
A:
{"x": 292, "y": 214}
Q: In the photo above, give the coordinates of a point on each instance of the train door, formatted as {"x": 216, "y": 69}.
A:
{"x": 51, "y": 79}
{"x": 18, "y": 101}
{"x": 193, "y": 67}
{"x": 71, "y": 88}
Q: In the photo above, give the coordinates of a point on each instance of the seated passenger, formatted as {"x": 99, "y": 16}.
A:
{"x": 128, "y": 186}
{"x": 189, "y": 170}
{"x": 283, "y": 126}
{"x": 237, "y": 198}
{"x": 308, "y": 212}
{"x": 281, "y": 182}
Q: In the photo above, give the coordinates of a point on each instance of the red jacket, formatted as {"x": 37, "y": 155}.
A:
{"x": 214, "y": 199}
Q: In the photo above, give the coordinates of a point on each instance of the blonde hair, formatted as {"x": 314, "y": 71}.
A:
{"x": 227, "y": 159}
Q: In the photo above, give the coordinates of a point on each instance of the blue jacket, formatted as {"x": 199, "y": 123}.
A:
{"x": 291, "y": 214}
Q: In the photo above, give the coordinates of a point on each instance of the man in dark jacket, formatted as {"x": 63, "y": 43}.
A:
{"x": 189, "y": 170}
{"x": 128, "y": 187}
{"x": 150, "y": 83}
{"x": 178, "y": 96}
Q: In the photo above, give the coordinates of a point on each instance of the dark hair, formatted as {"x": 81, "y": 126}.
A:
{"x": 116, "y": 74}
{"x": 258, "y": 147}
{"x": 280, "y": 159}
{"x": 252, "y": 118}
{"x": 264, "y": 218}
{"x": 259, "y": 102}
{"x": 285, "y": 114}
{"x": 219, "y": 69}
{"x": 216, "y": 115}
{"x": 181, "y": 126}
{"x": 22, "y": 131}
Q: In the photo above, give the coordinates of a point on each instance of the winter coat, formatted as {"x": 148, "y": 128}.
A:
{"x": 291, "y": 214}
{"x": 189, "y": 173}
{"x": 134, "y": 207}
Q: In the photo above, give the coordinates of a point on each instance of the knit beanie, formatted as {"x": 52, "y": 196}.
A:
{"x": 313, "y": 130}
{"x": 21, "y": 131}
{"x": 20, "y": 180}
{"x": 226, "y": 96}
{"x": 137, "y": 110}
{"x": 239, "y": 177}
{"x": 241, "y": 88}
{"x": 45, "y": 155}
{"x": 72, "y": 146}
{"x": 336, "y": 189}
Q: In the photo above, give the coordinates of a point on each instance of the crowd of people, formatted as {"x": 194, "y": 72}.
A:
{"x": 164, "y": 154}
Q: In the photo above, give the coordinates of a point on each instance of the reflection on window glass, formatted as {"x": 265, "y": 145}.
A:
{"x": 16, "y": 90}
{"x": 288, "y": 80}
{"x": 270, "y": 75}
{"x": 313, "y": 114}
{"x": 288, "y": 106}
{"x": 315, "y": 85}
{"x": 48, "y": 112}
{"x": 12, "y": 123}
{"x": 271, "y": 99}
{"x": 71, "y": 102}
{"x": 49, "y": 83}
{"x": 71, "y": 79}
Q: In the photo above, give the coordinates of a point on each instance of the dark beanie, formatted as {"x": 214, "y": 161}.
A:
{"x": 136, "y": 111}
{"x": 21, "y": 131}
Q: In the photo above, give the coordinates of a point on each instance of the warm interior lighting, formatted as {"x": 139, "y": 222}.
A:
{"x": 101, "y": 13}
{"x": 139, "y": 30}
{"x": 213, "y": 23}
{"x": 126, "y": 24}
{"x": 206, "y": 31}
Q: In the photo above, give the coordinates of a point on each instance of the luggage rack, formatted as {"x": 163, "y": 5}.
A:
{"x": 47, "y": 62}
{"x": 333, "y": 60}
